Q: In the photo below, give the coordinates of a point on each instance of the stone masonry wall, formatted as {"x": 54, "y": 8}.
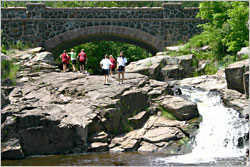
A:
{"x": 37, "y": 23}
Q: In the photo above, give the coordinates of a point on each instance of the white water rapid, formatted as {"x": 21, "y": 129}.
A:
{"x": 218, "y": 134}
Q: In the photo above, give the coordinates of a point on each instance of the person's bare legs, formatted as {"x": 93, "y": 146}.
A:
{"x": 107, "y": 77}
{"x": 64, "y": 67}
{"x": 122, "y": 77}
{"x": 74, "y": 68}
{"x": 83, "y": 69}
{"x": 119, "y": 77}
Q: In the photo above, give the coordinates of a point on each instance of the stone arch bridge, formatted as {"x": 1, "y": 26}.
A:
{"x": 55, "y": 29}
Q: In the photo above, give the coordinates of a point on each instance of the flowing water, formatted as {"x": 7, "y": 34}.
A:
{"x": 217, "y": 137}
{"x": 216, "y": 142}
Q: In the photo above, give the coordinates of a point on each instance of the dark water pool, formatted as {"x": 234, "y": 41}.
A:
{"x": 113, "y": 159}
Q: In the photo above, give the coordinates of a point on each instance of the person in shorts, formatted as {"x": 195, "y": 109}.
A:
{"x": 113, "y": 61}
{"x": 64, "y": 56}
{"x": 82, "y": 56}
{"x": 73, "y": 59}
{"x": 105, "y": 65}
{"x": 121, "y": 64}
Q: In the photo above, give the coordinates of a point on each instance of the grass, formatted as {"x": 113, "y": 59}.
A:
{"x": 9, "y": 70}
{"x": 167, "y": 114}
{"x": 184, "y": 140}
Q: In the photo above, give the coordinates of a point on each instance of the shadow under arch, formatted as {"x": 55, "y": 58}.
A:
{"x": 75, "y": 37}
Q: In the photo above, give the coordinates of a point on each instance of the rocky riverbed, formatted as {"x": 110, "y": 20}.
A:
{"x": 49, "y": 112}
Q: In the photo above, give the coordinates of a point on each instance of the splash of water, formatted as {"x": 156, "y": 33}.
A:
{"x": 219, "y": 131}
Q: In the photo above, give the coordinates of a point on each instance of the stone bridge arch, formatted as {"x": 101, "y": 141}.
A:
{"x": 75, "y": 37}
{"x": 152, "y": 28}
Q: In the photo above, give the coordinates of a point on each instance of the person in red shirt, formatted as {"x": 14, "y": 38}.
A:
{"x": 113, "y": 61}
{"x": 82, "y": 56}
{"x": 65, "y": 59}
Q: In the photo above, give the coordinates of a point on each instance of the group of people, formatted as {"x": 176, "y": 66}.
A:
{"x": 108, "y": 64}
{"x": 82, "y": 57}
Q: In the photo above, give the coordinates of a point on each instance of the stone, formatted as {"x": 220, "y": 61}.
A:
{"x": 246, "y": 82}
{"x": 99, "y": 137}
{"x": 117, "y": 150}
{"x": 26, "y": 57}
{"x": 24, "y": 79}
{"x": 175, "y": 48}
{"x": 243, "y": 51}
{"x": 35, "y": 50}
{"x": 161, "y": 134}
{"x": 186, "y": 62}
{"x": 170, "y": 71}
{"x": 147, "y": 147}
{"x": 46, "y": 57}
{"x": 11, "y": 150}
{"x": 149, "y": 66}
{"x": 4, "y": 100}
{"x": 6, "y": 82}
{"x": 98, "y": 147}
{"x": 180, "y": 108}
{"x": 138, "y": 120}
{"x": 4, "y": 57}
{"x": 234, "y": 75}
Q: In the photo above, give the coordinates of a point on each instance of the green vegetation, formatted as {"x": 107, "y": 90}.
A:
{"x": 9, "y": 70}
{"x": 167, "y": 114}
{"x": 184, "y": 140}
{"x": 96, "y": 51}
{"x": 226, "y": 32}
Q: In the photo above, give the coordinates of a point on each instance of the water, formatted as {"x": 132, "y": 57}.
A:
{"x": 217, "y": 137}
{"x": 215, "y": 143}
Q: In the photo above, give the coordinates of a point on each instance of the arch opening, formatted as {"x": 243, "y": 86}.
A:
{"x": 104, "y": 33}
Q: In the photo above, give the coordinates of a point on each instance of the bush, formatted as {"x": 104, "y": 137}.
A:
{"x": 9, "y": 70}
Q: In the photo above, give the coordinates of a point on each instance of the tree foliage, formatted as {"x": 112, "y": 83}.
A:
{"x": 226, "y": 30}
{"x": 96, "y": 51}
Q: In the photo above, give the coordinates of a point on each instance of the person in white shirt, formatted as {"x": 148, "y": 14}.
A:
{"x": 121, "y": 64}
{"x": 105, "y": 65}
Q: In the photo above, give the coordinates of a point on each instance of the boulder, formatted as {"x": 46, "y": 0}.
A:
{"x": 180, "y": 108}
{"x": 234, "y": 75}
{"x": 46, "y": 57}
{"x": 11, "y": 150}
{"x": 149, "y": 66}
{"x": 35, "y": 50}
{"x": 186, "y": 62}
{"x": 139, "y": 119}
{"x": 147, "y": 147}
{"x": 98, "y": 147}
{"x": 162, "y": 134}
{"x": 243, "y": 51}
{"x": 171, "y": 72}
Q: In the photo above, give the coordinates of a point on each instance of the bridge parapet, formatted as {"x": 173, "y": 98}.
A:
{"x": 37, "y": 23}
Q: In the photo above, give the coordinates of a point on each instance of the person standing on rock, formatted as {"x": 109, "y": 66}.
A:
{"x": 65, "y": 58}
{"x": 105, "y": 65}
{"x": 113, "y": 61}
{"x": 121, "y": 64}
{"x": 82, "y": 60}
{"x": 73, "y": 59}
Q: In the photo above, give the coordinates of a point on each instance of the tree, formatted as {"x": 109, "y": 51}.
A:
{"x": 227, "y": 23}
